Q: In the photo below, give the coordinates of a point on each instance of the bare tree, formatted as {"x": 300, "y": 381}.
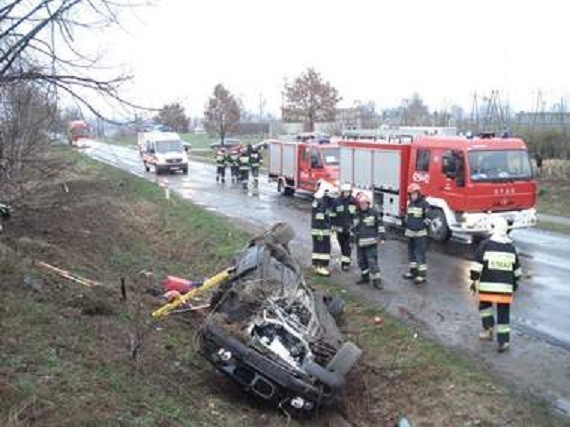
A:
{"x": 40, "y": 63}
{"x": 173, "y": 116}
{"x": 309, "y": 99}
{"x": 222, "y": 113}
{"x": 414, "y": 111}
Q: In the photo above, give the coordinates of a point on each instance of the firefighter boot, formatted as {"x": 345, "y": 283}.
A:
{"x": 486, "y": 335}
{"x": 504, "y": 346}
{"x": 322, "y": 271}
{"x": 364, "y": 279}
{"x": 418, "y": 280}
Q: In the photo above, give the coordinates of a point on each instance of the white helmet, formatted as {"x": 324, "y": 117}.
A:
{"x": 499, "y": 226}
{"x": 333, "y": 192}
{"x": 320, "y": 193}
{"x": 346, "y": 188}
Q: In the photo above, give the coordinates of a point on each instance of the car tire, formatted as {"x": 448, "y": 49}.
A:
{"x": 438, "y": 228}
{"x": 185, "y": 171}
{"x": 345, "y": 358}
{"x": 158, "y": 170}
{"x": 283, "y": 233}
{"x": 335, "y": 306}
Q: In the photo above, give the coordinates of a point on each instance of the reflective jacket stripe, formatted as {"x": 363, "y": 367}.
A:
{"x": 412, "y": 233}
{"x": 320, "y": 216}
{"x": 320, "y": 232}
{"x": 367, "y": 241}
{"x": 504, "y": 288}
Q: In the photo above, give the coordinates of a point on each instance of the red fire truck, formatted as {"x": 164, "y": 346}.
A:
{"x": 77, "y": 130}
{"x": 301, "y": 165}
{"x": 466, "y": 181}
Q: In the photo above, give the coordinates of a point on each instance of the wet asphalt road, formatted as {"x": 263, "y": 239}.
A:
{"x": 443, "y": 309}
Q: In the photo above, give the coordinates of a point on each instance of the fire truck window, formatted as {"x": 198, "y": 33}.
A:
{"x": 315, "y": 161}
{"x": 422, "y": 160}
{"x": 305, "y": 155}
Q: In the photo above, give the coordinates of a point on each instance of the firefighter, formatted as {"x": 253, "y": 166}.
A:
{"x": 417, "y": 223}
{"x": 255, "y": 157}
{"x": 342, "y": 219}
{"x": 244, "y": 165}
{"x": 321, "y": 233}
{"x": 234, "y": 165}
{"x": 495, "y": 273}
{"x": 221, "y": 161}
{"x": 368, "y": 233}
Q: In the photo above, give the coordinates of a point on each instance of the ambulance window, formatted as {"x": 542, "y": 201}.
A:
{"x": 422, "y": 160}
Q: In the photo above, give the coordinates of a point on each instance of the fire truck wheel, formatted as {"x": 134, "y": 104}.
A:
{"x": 438, "y": 229}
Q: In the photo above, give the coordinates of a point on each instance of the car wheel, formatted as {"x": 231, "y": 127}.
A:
{"x": 345, "y": 358}
{"x": 157, "y": 170}
{"x": 438, "y": 228}
{"x": 185, "y": 171}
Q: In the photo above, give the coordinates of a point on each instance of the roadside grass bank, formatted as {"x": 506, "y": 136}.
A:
{"x": 80, "y": 356}
{"x": 554, "y": 197}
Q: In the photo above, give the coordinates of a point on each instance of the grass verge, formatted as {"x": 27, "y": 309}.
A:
{"x": 80, "y": 356}
{"x": 554, "y": 197}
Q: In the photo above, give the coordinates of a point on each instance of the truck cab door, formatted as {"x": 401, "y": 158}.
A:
{"x": 452, "y": 171}
{"x": 304, "y": 167}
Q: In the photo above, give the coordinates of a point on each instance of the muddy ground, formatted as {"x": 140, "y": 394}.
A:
{"x": 73, "y": 355}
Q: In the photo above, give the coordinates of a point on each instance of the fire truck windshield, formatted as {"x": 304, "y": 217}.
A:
{"x": 499, "y": 165}
{"x": 331, "y": 156}
{"x": 168, "y": 146}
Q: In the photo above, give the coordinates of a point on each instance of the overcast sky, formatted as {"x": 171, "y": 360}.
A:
{"x": 370, "y": 50}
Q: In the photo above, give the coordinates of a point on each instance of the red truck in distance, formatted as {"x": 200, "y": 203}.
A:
{"x": 299, "y": 165}
{"x": 466, "y": 181}
{"x": 78, "y": 130}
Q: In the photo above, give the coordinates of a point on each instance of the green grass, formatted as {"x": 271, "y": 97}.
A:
{"x": 554, "y": 197}
{"x": 203, "y": 141}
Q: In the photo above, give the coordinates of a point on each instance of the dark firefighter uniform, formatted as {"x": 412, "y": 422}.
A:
{"x": 234, "y": 165}
{"x": 221, "y": 162}
{"x": 321, "y": 234}
{"x": 342, "y": 219}
{"x": 416, "y": 222}
{"x": 244, "y": 165}
{"x": 255, "y": 158}
{"x": 497, "y": 271}
{"x": 368, "y": 232}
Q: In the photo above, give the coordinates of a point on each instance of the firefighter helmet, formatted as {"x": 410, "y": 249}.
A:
{"x": 363, "y": 198}
{"x": 414, "y": 188}
{"x": 499, "y": 226}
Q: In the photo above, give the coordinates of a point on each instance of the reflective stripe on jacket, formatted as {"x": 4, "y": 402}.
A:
{"x": 343, "y": 211}
{"x": 368, "y": 227}
{"x": 497, "y": 269}
{"x": 320, "y": 220}
{"x": 416, "y": 215}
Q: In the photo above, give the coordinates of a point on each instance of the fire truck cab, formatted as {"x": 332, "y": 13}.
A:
{"x": 466, "y": 181}
{"x": 303, "y": 166}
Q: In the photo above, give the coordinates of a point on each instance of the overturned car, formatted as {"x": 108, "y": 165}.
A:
{"x": 272, "y": 333}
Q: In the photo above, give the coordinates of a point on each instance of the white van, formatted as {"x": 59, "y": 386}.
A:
{"x": 163, "y": 151}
